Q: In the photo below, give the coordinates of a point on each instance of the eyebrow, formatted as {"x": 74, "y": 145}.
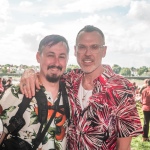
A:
{"x": 54, "y": 53}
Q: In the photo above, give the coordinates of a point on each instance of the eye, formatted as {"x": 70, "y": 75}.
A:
{"x": 81, "y": 47}
{"x": 95, "y": 47}
{"x": 50, "y": 55}
{"x": 62, "y": 56}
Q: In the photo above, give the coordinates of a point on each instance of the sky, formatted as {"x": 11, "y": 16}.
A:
{"x": 125, "y": 24}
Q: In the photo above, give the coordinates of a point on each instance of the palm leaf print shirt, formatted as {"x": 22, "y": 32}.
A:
{"x": 110, "y": 114}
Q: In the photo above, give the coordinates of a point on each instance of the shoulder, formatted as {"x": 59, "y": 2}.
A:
{"x": 72, "y": 74}
{"x": 73, "y": 71}
{"x": 146, "y": 89}
{"x": 122, "y": 85}
{"x": 115, "y": 79}
{"x": 11, "y": 97}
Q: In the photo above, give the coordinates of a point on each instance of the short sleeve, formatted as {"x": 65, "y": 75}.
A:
{"x": 127, "y": 117}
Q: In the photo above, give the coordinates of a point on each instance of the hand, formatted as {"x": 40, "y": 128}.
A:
{"x": 29, "y": 81}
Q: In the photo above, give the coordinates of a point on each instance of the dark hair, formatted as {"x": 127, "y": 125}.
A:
{"x": 52, "y": 40}
{"x": 90, "y": 28}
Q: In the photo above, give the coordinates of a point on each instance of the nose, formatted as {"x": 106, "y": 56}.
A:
{"x": 88, "y": 51}
{"x": 56, "y": 61}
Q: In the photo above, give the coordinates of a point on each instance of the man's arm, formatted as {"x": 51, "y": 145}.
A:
{"x": 124, "y": 143}
{"x": 29, "y": 81}
{"x": 2, "y": 137}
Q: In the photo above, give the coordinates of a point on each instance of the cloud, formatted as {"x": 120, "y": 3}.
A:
{"x": 15, "y": 51}
{"x": 4, "y": 14}
{"x": 85, "y": 6}
{"x": 140, "y": 10}
{"x": 25, "y": 4}
{"x": 81, "y": 6}
{"x": 125, "y": 25}
{"x": 31, "y": 34}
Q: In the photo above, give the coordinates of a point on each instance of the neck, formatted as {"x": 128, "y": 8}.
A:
{"x": 51, "y": 87}
{"x": 88, "y": 78}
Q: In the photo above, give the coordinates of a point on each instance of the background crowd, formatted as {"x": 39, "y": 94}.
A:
{"x": 141, "y": 98}
{"x": 4, "y": 85}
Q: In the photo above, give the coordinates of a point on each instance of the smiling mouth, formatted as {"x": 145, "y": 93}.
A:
{"x": 54, "y": 70}
{"x": 87, "y": 61}
{"x": 55, "y": 67}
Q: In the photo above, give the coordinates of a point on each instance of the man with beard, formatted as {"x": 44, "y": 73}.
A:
{"x": 52, "y": 56}
{"x": 103, "y": 109}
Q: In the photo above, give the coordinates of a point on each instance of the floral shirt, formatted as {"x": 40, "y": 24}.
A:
{"x": 110, "y": 114}
{"x": 55, "y": 137}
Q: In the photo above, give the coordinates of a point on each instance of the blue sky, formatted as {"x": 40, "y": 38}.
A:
{"x": 126, "y": 25}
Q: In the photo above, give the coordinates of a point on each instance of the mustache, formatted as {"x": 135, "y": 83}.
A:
{"x": 53, "y": 66}
{"x": 87, "y": 58}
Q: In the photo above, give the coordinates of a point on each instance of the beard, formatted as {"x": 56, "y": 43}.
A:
{"x": 54, "y": 78}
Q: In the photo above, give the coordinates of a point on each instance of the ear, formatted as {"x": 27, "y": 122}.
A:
{"x": 75, "y": 51}
{"x": 104, "y": 51}
{"x": 38, "y": 56}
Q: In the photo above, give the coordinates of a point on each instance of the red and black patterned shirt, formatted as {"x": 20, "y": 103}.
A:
{"x": 110, "y": 114}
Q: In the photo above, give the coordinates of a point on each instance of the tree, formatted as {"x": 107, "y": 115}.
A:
{"x": 71, "y": 67}
{"x": 141, "y": 70}
{"x": 7, "y": 65}
{"x": 116, "y": 68}
{"x": 125, "y": 72}
{"x": 4, "y": 70}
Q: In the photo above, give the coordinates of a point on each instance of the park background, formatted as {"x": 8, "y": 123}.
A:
{"x": 137, "y": 75}
{"x": 23, "y": 23}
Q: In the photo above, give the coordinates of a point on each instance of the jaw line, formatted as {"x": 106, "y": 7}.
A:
{"x": 92, "y": 70}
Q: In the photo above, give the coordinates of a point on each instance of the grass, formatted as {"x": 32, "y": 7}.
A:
{"x": 137, "y": 143}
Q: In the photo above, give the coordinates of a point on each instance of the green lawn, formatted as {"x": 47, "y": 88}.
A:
{"x": 137, "y": 143}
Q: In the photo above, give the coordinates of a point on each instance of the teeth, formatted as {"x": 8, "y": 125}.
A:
{"x": 87, "y": 61}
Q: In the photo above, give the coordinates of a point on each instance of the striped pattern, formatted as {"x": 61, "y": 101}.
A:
{"x": 111, "y": 112}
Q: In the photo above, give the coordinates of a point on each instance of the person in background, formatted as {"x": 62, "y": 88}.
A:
{"x": 1, "y": 87}
{"x": 52, "y": 56}
{"x": 137, "y": 92}
{"x": 102, "y": 103}
{"x": 146, "y": 110}
{"x": 3, "y": 81}
{"x": 144, "y": 85}
{"x": 8, "y": 83}
{"x": 135, "y": 86}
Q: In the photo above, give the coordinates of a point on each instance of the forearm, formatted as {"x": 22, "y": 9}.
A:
{"x": 124, "y": 143}
{"x": 2, "y": 137}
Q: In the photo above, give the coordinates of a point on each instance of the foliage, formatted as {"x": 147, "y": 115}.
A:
{"x": 116, "y": 68}
{"x": 137, "y": 143}
{"x": 7, "y": 65}
{"x": 70, "y": 67}
{"x": 125, "y": 72}
{"x": 4, "y": 70}
{"x": 133, "y": 69}
{"x": 141, "y": 70}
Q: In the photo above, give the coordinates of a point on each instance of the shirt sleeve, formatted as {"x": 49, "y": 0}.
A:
{"x": 9, "y": 105}
{"x": 127, "y": 118}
